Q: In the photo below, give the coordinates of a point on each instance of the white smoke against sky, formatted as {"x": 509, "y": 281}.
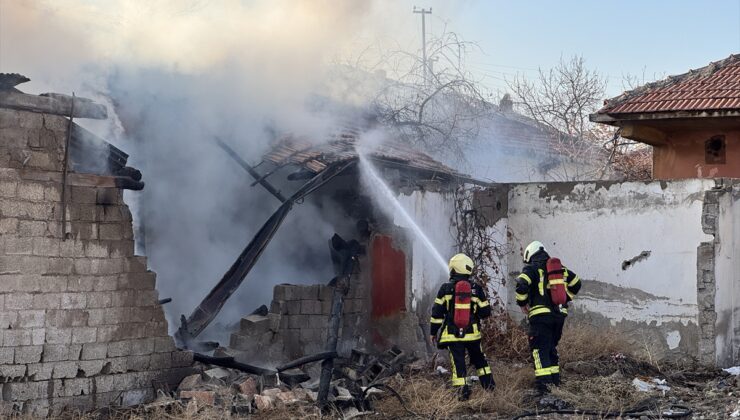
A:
{"x": 174, "y": 74}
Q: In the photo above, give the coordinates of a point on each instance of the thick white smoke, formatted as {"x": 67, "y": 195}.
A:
{"x": 174, "y": 74}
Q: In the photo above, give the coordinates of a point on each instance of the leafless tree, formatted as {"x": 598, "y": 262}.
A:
{"x": 561, "y": 99}
{"x": 439, "y": 108}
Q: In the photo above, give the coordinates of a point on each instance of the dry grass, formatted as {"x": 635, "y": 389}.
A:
{"x": 584, "y": 342}
{"x": 430, "y": 396}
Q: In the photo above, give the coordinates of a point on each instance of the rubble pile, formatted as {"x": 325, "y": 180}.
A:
{"x": 354, "y": 380}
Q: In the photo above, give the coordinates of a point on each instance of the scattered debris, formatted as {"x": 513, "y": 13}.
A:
{"x": 651, "y": 385}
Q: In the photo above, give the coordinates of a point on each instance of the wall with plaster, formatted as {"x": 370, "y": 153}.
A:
{"x": 727, "y": 276}
{"x": 634, "y": 244}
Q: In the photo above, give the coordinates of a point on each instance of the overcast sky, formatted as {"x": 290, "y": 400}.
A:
{"x": 659, "y": 37}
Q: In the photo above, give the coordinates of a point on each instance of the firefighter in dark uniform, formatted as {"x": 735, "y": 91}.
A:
{"x": 546, "y": 319}
{"x": 457, "y": 340}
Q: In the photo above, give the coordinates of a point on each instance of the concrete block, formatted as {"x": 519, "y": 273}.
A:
{"x": 72, "y": 387}
{"x": 55, "y": 353}
{"x": 19, "y": 301}
{"x": 8, "y": 319}
{"x": 31, "y": 227}
{"x": 121, "y": 249}
{"x": 8, "y": 189}
{"x": 72, "y": 249}
{"x": 139, "y": 363}
{"x": 17, "y": 338}
{"x": 105, "y": 283}
{"x": 65, "y": 370}
{"x": 110, "y": 231}
{"x": 318, "y": 321}
{"x": 91, "y": 367}
{"x": 146, "y": 298}
{"x": 310, "y": 307}
{"x": 31, "y": 191}
{"x": 8, "y": 225}
{"x": 24, "y": 391}
{"x": 136, "y": 264}
{"x": 38, "y": 336}
{"x": 58, "y": 335}
{"x": 28, "y": 354}
{"x": 66, "y": 318}
{"x": 164, "y": 344}
{"x": 40, "y": 371}
{"x": 81, "y": 335}
{"x": 18, "y": 246}
{"x": 254, "y": 324}
{"x": 83, "y": 195}
{"x": 81, "y": 284}
{"x": 7, "y": 355}
{"x": 326, "y": 293}
{"x": 91, "y": 351}
{"x": 53, "y": 193}
{"x": 73, "y": 301}
{"x": 46, "y": 247}
{"x": 309, "y": 292}
{"x": 190, "y": 382}
{"x": 96, "y": 249}
{"x": 12, "y": 372}
{"x": 119, "y": 348}
{"x": 138, "y": 281}
{"x": 100, "y": 299}
{"x": 142, "y": 346}
{"x": 30, "y": 319}
{"x": 62, "y": 266}
{"x": 278, "y": 307}
{"x": 182, "y": 358}
{"x": 161, "y": 360}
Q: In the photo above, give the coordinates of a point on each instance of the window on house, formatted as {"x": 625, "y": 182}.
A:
{"x": 714, "y": 150}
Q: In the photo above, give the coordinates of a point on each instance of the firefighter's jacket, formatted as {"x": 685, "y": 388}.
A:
{"x": 443, "y": 310}
{"x": 531, "y": 287}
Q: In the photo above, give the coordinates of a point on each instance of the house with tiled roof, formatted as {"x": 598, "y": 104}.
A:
{"x": 692, "y": 121}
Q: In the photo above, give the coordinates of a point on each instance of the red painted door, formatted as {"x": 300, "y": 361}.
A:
{"x": 388, "y": 277}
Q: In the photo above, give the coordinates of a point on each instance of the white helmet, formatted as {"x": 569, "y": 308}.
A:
{"x": 533, "y": 248}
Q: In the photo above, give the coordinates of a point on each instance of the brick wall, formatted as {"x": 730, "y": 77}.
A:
{"x": 80, "y": 322}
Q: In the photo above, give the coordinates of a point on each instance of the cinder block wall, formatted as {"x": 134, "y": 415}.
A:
{"x": 298, "y": 322}
{"x": 80, "y": 322}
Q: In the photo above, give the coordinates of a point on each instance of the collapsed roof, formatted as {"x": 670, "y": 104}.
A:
{"x": 343, "y": 147}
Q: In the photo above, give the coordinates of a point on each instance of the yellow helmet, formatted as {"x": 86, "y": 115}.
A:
{"x": 461, "y": 264}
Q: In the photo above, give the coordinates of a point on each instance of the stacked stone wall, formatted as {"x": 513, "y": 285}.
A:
{"x": 80, "y": 322}
{"x": 297, "y": 323}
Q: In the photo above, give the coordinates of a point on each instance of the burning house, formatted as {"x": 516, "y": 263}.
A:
{"x": 82, "y": 326}
{"x": 392, "y": 266}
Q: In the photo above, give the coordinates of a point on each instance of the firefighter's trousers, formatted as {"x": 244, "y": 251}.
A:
{"x": 543, "y": 330}
{"x": 477, "y": 358}
{"x": 554, "y": 357}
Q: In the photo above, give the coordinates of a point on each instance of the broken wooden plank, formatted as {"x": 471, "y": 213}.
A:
{"x": 229, "y": 362}
{"x": 307, "y": 359}
{"x": 250, "y": 170}
{"x": 52, "y": 103}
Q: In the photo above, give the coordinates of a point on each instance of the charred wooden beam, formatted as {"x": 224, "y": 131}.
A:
{"x": 229, "y": 362}
{"x": 250, "y": 170}
{"x": 213, "y": 302}
{"x": 307, "y": 359}
{"x": 344, "y": 258}
{"x": 52, "y": 103}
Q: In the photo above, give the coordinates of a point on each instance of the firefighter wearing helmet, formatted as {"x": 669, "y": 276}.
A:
{"x": 543, "y": 291}
{"x": 455, "y": 324}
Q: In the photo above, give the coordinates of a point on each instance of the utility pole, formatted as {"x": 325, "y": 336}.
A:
{"x": 423, "y": 13}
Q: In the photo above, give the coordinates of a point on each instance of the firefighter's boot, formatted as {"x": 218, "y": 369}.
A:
{"x": 487, "y": 382}
{"x": 464, "y": 393}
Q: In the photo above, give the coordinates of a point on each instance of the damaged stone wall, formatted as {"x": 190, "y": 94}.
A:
{"x": 635, "y": 246}
{"x": 297, "y": 324}
{"x": 80, "y": 322}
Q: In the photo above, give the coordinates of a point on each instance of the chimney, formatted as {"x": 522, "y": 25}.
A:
{"x": 506, "y": 104}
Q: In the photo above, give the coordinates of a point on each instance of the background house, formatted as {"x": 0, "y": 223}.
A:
{"x": 692, "y": 120}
